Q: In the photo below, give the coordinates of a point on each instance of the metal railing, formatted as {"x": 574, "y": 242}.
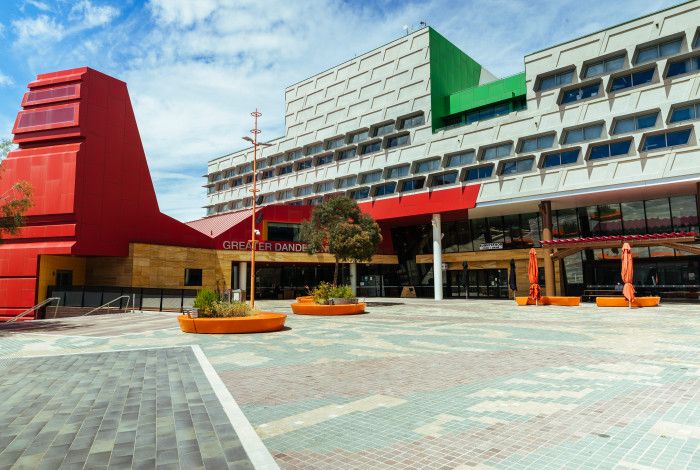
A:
{"x": 110, "y": 303}
{"x": 36, "y": 307}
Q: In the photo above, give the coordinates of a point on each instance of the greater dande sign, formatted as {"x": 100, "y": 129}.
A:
{"x": 292, "y": 247}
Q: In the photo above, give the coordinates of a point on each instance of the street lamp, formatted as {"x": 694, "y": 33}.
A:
{"x": 254, "y": 190}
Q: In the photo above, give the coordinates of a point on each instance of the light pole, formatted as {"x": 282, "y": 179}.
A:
{"x": 254, "y": 190}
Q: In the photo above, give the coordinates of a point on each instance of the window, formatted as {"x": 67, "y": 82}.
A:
{"x": 444, "y": 179}
{"x": 533, "y": 144}
{"x": 582, "y": 134}
{"x": 383, "y": 130}
{"x": 413, "y": 184}
{"x": 397, "y": 171}
{"x": 517, "y": 166}
{"x": 362, "y": 193}
{"x": 479, "y": 172}
{"x": 260, "y": 164}
{"x": 680, "y": 67}
{"x": 267, "y": 174}
{"x": 460, "y": 159}
{"x": 283, "y": 170}
{"x": 283, "y": 232}
{"x": 314, "y": 148}
{"x": 612, "y": 149}
{"x": 635, "y": 123}
{"x": 193, "y": 277}
{"x": 488, "y": 112}
{"x": 580, "y": 93}
{"x": 556, "y": 80}
{"x": 358, "y": 137}
{"x": 631, "y": 80}
{"x": 211, "y": 189}
{"x": 667, "y": 139}
{"x": 685, "y": 113}
{"x": 46, "y": 117}
{"x": 236, "y": 182}
{"x": 304, "y": 164}
{"x": 324, "y": 159}
{"x": 294, "y": 154}
{"x": 604, "y": 66}
{"x": 248, "y": 179}
{"x": 325, "y": 186}
{"x": 386, "y": 188}
{"x": 427, "y": 165}
{"x": 397, "y": 141}
{"x": 658, "y": 215}
{"x": 347, "y": 153}
{"x": 335, "y": 143}
{"x": 276, "y": 159}
{"x": 658, "y": 51}
{"x": 347, "y": 182}
{"x": 267, "y": 198}
{"x": 497, "y": 151}
{"x": 304, "y": 190}
{"x": 371, "y": 177}
{"x": 696, "y": 43}
{"x": 412, "y": 121}
{"x": 245, "y": 168}
{"x": 371, "y": 147}
{"x": 684, "y": 210}
{"x": 315, "y": 201}
{"x": 284, "y": 195}
{"x": 565, "y": 157}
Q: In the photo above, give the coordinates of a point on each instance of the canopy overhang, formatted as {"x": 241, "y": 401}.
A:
{"x": 682, "y": 241}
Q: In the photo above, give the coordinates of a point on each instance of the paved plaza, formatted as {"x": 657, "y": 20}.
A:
{"x": 411, "y": 384}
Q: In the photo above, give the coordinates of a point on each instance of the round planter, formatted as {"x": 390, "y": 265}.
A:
{"x": 259, "y": 323}
{"x": 308, "y": 308}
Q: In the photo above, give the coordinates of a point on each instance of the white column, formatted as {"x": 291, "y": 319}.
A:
{"x": 437, "y": 256}
{"x": 242, "y": 275}
{"x": 353, "y": 278}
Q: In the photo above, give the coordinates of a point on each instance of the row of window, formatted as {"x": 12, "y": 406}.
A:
{"x": 376, "y": 132}
{"x": 613, "y": 63}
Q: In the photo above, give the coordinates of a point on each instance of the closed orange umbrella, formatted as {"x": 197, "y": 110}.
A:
{"x": 627, "y": 273}
{"x": 532, "y": 274}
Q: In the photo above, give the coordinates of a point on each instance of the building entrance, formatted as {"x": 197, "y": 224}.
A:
{"x": 487, "y": 284}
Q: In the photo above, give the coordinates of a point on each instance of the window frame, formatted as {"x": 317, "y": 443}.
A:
{"x": 586, "y": 65}
{"x": 448, "y": 156}
{"x": 327, "y": 143}
{"x": 317, "y": 186}
{"x": 635, "y": 116}
{"x": 300, "y": 190}
{"x": 545, "y": 155}
{"x": 341, "y": 151}
{"x": 374, "y": 128}
{"x": 569, "y": 69}
{"x": 536, "y": 137}
{"x": 682, "y": 58}
{"x": 362, "y": 148}
{"x": 308, "y": 149}
{"x": 657, "y": 43}
{"x": 566, "y": 131}
{"x": 402, "y": 182}
{"x": 465, "y": 171}
{"x": 389, "y": 169}
{"x": 345, "y": 178}
{"x": 631, "y": 72}
{"x": 298, "y": 164}
{"x": 323, "y": 155}
{"x": 374, "y": 188}
{"x": 690, "y": 128}
{"x": 686, "y": 104}
{"x": 580, "y": 86}
{"x": 432, "y": 176}
{"x": 610, "y": 142}
{"x": 401, "y": 120}
{"x": 484, "y": 148}
{"x": 417, "y": 163}
{"x": 278, "y": 170}
{"x": 503, "y": 163}
{"x": 387, "y": 138}
{"x": 350, "y": 193}
{"x": 352, "y": 134}
{"x": 362, "y": 176}
{"x": 191, "y": 283}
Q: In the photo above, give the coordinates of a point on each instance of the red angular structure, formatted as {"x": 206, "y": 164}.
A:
{"x": 80, "y": 149}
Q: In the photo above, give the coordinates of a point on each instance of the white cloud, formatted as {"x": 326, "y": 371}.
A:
{"x": 30, "y": 31}
{"x": 39, "y": 5}
{"x": 87, "y": 15}
{"x": 5, "y": 80}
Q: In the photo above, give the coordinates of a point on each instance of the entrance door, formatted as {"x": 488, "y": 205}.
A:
{"x": 488, "y": 284}
{"x": 64, "y": 278}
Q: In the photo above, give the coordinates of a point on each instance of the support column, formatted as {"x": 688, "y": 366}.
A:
{"x": 548, "y": 263}
{"x": 353, "y": 278}
{"x": 437, "y": 256}
{"x": 242, "y": 278}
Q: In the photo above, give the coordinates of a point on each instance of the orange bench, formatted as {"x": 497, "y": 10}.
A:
{"x": 561, "y": 301}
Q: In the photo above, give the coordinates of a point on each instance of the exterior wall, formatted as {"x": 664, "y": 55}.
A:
{"x": 499, "y": 259}
{"x": 110, "y": 271}
{"x": 49, "y": 264}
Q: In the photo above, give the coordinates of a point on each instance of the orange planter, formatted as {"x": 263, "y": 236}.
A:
{"x": 259, "y": 323}
{"x": 552, "y": 300}
{"x": 310, "y": 308}
{"x": 305, "y": 299}
{"x": 622, "y": 302}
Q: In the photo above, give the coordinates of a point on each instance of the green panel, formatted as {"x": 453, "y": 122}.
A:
{"x": 451, "y": 70}
{"x": 475, "y": 97}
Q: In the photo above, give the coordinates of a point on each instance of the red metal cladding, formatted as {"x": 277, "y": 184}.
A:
{"x": 424, "y": 204}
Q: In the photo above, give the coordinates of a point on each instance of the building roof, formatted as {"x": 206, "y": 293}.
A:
{"x": 216, "y": 225}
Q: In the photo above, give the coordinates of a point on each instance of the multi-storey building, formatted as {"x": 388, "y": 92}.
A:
{"x": 597, "y": 137}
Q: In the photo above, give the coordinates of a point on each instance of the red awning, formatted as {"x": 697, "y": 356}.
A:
{"x": 619, "y": 238}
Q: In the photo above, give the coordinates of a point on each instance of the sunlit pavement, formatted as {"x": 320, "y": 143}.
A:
{"x": 421, "y": 384}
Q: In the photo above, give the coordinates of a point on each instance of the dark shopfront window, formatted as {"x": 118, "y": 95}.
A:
{"x": 287, "y": 281}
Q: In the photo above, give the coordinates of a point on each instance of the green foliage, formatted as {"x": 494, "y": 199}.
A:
{"x": 204, "y": 302}
{"x": 13, "y": 204}
{"x": 339, "y": 225}
{"x": 6, "y": 146}
{"x": 326, "y": 290}
{"x": 221, "y": 309}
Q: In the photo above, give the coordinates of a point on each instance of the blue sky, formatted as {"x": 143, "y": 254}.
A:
{"x": 196, "y": 68}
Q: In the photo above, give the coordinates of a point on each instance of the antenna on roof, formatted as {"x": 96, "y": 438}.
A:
{"x": 423, "y": 24}
{"x": 406, "y": 29}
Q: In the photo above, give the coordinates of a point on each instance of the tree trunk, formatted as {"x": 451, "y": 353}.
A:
{"x": 335, "y": 272}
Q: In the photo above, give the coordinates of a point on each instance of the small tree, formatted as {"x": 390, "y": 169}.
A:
{"x": 339, "y": 225}
{"x": 14, "y": 202}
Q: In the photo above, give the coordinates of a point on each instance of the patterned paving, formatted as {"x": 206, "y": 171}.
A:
{"x": 451, "y": 385}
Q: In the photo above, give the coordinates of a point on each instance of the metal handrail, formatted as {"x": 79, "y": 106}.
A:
{"x": 109, "y": 303}
{"x": 37, "y": 306}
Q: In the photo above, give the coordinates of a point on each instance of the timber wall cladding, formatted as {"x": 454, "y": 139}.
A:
{"x": 164, "y": 266}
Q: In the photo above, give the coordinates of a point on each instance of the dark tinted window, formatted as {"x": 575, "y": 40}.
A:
{"x": 193, "y": 277}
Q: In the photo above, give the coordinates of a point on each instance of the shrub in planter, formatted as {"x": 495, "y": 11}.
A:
{"x": 228, "y": 310}
{"x": 326, "y": 293}
{"x": 204, "y": 301}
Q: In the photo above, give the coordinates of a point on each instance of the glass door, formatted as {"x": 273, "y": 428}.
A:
{"x": 487, "y": 284}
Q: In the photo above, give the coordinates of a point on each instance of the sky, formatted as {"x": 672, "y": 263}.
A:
{"x": 197, "y": 68}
